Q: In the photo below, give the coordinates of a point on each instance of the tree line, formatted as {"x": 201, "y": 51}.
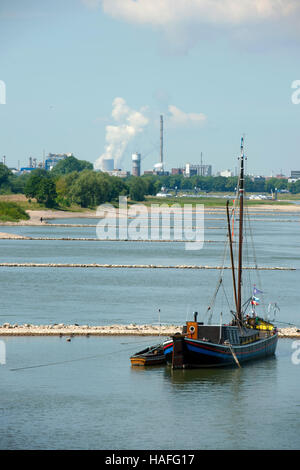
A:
{"x": 74, "y": 181}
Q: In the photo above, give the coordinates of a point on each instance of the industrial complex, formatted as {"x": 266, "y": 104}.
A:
{"x": 108, "y": 165}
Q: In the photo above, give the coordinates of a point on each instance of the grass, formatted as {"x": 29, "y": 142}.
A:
{"x": 12, "y": 212}
{"x": 210, "y": 201}
{"x": 33, "y": 205}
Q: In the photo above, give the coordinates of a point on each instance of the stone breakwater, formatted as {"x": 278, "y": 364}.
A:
{"x": 61, "y": 329}
{"x": 132, "y": 329}
{"x": 140, "y": 266}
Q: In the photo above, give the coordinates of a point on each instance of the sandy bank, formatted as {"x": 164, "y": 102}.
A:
{"x": 37, "y": 215}
{"x": 61, "y": 329}
{"x": 12, "y": 236}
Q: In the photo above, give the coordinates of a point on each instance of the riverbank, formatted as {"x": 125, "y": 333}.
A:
{"x": 40, "y": 217}
{"x": 132, "y": 329}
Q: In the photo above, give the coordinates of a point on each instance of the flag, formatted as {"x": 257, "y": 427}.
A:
{"x": 254, "y": 302}
{"x": 257, "y": 291}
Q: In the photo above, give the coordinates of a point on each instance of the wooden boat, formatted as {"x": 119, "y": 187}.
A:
{"x": 215, "y": 346}
{"x": 247, "y": 337}
{"x": 151, "y": 356}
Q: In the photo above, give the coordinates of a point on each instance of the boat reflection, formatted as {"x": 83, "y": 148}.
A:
{"x": 219, "y": 376}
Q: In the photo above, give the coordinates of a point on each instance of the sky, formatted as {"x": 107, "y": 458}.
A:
{"x": 92, "y": 77}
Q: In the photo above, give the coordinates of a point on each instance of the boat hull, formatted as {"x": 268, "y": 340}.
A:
{"x": 151, "y": 356}
{"x": 197, "y": 354}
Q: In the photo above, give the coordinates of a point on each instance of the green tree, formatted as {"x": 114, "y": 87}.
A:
{"x": 5, "y": 173}
{"x": 46, "y": 192}
{"x": 69, "y": 165}
{"x": 33, "y": 181}
{"x": 89, "y": 189}
{"x": 137, "y": 188}
{"x": 41, "y": 186}
{"x": 18, "y": 182}
{"x": 294, "y": 187}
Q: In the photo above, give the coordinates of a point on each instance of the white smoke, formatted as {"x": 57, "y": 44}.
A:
{"x": 130, "y": 123}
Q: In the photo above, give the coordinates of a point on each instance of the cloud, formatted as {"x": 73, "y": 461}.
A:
{"x": 130, "y": 123}
{"x": 179, "y": 117}
{"x": 164, "y": 12}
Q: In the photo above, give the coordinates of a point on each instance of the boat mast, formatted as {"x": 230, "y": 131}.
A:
{"x": 231, "y": 255}
{"x": 240, "y": 263}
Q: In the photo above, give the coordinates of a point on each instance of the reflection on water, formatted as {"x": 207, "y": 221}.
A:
{"x": 222, "y": 375}
{"x": 89, "y": 384}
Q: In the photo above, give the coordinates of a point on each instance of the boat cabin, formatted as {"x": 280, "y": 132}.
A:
{"x": 220, "y": 333}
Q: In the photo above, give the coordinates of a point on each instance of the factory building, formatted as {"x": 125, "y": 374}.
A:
{"x": 200, "y": 170}
{"x": 53, "y": 158}
{"x": 107, "y": 164}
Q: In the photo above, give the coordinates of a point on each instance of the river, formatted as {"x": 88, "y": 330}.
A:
{"x": 84, "y": 394}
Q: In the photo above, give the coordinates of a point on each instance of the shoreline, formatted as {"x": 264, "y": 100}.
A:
{"x": 48, "y": 214}
{"x": 132, "y": 329}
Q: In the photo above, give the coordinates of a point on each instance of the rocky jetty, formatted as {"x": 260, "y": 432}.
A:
{"x": 60, "y": 329}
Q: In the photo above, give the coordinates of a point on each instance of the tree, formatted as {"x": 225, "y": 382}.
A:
{"x": 89, "y": 190}
{"x": 137, "y": 188}
{"x": 41, "y": 186}
{"x": 69, "y": 165}
{"x": 5, "y": 173}
{"x": 46, "y": 192}
{"x": 17, "y": 182}
{"x": 295, "y": 187}
{"x": 33, "y": 181}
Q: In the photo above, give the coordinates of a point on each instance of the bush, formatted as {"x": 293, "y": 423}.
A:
{"x": 12, "y": 212}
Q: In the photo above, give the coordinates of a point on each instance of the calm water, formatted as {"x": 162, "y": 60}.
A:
{"x": 91, "y": 398}
{"x": 102, "y": 403}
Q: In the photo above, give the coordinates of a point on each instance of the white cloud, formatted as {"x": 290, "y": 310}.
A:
{"x": 185, "y": 22}
{"x": 179, "y": 117}
{"x": 164, "y": 12}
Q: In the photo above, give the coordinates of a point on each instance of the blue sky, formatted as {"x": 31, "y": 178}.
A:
{"x": 214, "y": 75}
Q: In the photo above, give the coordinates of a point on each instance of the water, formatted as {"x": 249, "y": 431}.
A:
{"x": 84, "y": 393}
{"x": 103, "y": 403}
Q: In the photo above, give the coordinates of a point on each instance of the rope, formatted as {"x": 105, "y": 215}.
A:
{"x": 72, "y": 360}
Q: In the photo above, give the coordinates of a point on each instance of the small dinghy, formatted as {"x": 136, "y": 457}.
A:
{"x": 151, "y": 356}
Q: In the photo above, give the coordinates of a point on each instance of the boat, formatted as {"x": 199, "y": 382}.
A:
{"x": 247, "y": 336}
{"x": 151, "y": 356}
{"x": 203, "y": 346}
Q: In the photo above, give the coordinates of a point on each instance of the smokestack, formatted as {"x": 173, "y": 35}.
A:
{"x": 161, "y": 138}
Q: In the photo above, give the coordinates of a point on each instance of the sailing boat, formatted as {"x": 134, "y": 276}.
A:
{"x": 245, "y": 338}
